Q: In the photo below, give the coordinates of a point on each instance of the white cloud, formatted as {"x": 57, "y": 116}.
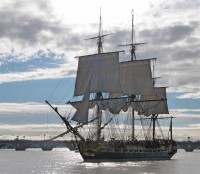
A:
{"x": 182, "y": 134}
{"x": 31, "y": 131}
{"x": 193, "y": 95}
{"x": 47, "y": 73}
{"x": 183, "y": 126}
{"x": 22, "y": 108}
{"x": 186, "y": 113}
{"x": 27, "y": 108}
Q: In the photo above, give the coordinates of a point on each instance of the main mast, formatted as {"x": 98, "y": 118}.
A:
{"x": 133, "y": 46}
{"x": 133, "y": 58}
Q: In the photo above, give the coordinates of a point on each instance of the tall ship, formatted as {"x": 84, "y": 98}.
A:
{"x": 118, "y": 108}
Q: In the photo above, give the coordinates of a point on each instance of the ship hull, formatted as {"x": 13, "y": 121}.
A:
{"x": 110, "y": 154}
{"x": 122, "y": 157}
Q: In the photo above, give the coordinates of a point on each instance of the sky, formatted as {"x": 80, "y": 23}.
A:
{"x": 40, "y": 39}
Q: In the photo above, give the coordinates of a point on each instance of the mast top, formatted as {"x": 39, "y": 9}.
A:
{"x": 100, "y": 36}
{"x": 133, "y": 44}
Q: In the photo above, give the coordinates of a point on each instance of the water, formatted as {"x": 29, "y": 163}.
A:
{"x": 63, "y": 161}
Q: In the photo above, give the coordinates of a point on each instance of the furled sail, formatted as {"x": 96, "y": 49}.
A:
{"x": 136, "y": 78}
{"x": 153, "y": 104}
{"x": 98, "y": 73}
{"x": 147, "y": 105}
{"x": 114, "y": 106}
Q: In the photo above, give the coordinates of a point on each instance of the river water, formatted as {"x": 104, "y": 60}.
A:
{"x": 63, "y": 161}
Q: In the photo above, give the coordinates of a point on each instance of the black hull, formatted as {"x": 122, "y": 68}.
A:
{"x": 131, "y": 151}
{"x": 122, "y": 157}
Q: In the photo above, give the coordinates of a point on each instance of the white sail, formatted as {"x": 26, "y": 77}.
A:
{"x": 104, "y": 73}
{"x": 153, "y": 104}
{"x": 76, "y": 105}
{"x": 114, "y": 106}
{"x": 148, "y": 104}
{"x": 136, "y": 77}
{"x": 98, "y": 73}
{"x": 81, "y": 114}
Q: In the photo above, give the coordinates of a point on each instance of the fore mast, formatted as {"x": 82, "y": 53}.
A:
{"x": 99, "y": 95}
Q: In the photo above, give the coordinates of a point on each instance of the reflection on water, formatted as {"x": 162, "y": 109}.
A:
{"x": 63, "y": 161}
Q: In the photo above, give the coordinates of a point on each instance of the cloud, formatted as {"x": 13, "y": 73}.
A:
{"x": 42, "y": 46}
{"x": 22, "y": 108}
{"x": 169, "y": 27}
{"x": 182, "y": 134}
{"x": 193, "y": 95}
{"x": 33, "y": 120}
{"x": 42, "y": 64}
{"x": 176, "y": 47}
{"x": 27, "y": 108}
{"x": 29, "y": 24}
{"x": 31, "y": 131}
{"x": 167, "y": 8}
{"x": 180, "y": 4}
{"x": 38, "y": 109}
{"x": 37, "y": 132}
{"x": 19, "y": 62}
{"x": 169, "y": 34}
{"x": 178, "y": 57}
{"x": 25, "y": 29}
{"x": 38, "y": 74}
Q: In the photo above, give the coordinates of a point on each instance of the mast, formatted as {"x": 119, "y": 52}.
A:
{"x": 154, "y": 117}
{"x": 132, "y": 40}
{"x": 133, "y": 58}
{"x": 170, "y": 128}
{"x": 133, "y": 54}
{"x": 99, "y": 43}
{"x": 99, "y": 94}
{"x": 67, "y": 124}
